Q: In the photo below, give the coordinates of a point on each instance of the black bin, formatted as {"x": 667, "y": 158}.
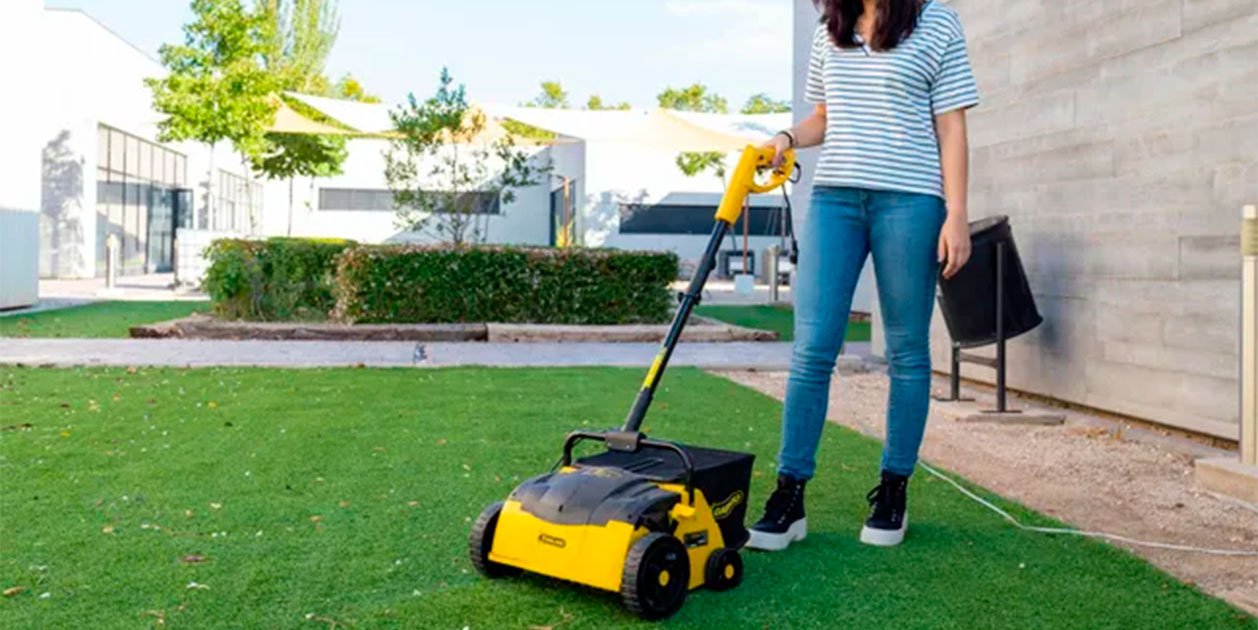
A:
{"x": 722, "y": 476}
{"x": 968, "y": 299}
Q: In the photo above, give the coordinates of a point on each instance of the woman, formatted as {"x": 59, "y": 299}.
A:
{"x": 891, "y": 81}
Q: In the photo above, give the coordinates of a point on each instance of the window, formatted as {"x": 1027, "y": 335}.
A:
{"x": 132, "y": 189}
{"x": 237, "y": 204}
{"x": 679, "y": 219}
{"x": 381, "y": 200}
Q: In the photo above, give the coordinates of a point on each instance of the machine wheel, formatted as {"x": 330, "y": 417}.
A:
{"x": 481, "y": 541}
{"x": 656, "y": 577}
{"x": 724, "y": 570}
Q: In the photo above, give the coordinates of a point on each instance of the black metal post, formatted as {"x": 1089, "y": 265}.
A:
{"x": 1000, "y": 327}
{"x": 956, "y": 372}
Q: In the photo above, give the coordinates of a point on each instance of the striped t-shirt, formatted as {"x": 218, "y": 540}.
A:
{"x": 880, "y": 106}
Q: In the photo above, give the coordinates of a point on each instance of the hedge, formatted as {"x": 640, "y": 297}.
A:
{"x": 278, "y": 279}
{"x": 433, "y": 284}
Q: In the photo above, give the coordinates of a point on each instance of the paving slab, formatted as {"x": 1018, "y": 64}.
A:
{"x": 296, "y": 354}
{"x": 1228, "y": 476}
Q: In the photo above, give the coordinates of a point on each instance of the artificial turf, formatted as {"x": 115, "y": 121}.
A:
{"x": 98, "y": 320}
{"x": 779, "y": 319}
{"x": 342, "y": 498}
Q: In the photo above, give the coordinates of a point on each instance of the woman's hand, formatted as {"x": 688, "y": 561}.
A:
{"x": 780, "y": 144}
{"x": 954, "y": 244}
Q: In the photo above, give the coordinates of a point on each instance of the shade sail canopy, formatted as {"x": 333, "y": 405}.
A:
{"x": 653, "y": 128}
{"x": 752, "y": 126}
{"x": 366, "y": 118}
{"x": 287, "y": 120}
{"x": 656, "y": 128}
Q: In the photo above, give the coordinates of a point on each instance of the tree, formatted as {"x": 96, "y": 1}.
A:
{"x": 300, "y": 34}
{"x": 445, "y": 175}
{"x": 595, "y": 103}
{"x": 553, "y": 96}
{"x": 697, "y": 98}
{"x": 764, "y": 104}
{"x": 694, "y": 98}
{"x": 216, "y": 88}
{"x": 347, "y": 87}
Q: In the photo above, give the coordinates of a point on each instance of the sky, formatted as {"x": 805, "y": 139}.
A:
{"x": 622, "y": 50}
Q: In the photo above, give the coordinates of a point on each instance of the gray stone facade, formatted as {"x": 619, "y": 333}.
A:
{"x": 1122, "y": 140}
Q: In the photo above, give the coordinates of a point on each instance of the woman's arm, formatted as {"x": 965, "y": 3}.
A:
{"x": 808, "y": 133}
{"x": 954, "y": 155}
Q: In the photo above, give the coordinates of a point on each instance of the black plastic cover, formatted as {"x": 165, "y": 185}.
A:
{"x": 968, "y": 299}
{"x": 722, "y": 476}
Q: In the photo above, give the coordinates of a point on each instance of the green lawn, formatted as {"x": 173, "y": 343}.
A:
{"x": 100, "y": 319}
{"x": 779, "y": 319}
{"x": 293, "y": 499}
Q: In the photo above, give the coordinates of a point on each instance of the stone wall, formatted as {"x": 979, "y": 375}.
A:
{"x": 1122, "y": 140}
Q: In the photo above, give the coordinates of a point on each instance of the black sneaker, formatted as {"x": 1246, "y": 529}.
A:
{"x": 888, "y": 512}
{"x": 783, "y": 521}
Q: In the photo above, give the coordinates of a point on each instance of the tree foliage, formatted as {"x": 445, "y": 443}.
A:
{"x": 595, "y": 103}
{"x": 446, "y": 175}
{"x": 697, "y": 98}
{"x": 216, "y": 88}
{"x": 553, "y": 96}
{"x": 348, "y": 87}
{"x": 762, "y": 103}
{"x": 299, "y": 35}
{"x": 693, "y": 98}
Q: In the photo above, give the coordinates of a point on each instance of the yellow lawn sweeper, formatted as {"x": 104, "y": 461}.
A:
{"x": 646, "y": 518}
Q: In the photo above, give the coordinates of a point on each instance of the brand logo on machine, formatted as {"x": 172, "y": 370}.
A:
{"x": 727, "y": 505}
{"x": 553, "y": 541}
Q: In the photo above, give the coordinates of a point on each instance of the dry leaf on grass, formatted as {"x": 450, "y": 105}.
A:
{"x": 13, "y": 590}
{"x": 193, "y": 559}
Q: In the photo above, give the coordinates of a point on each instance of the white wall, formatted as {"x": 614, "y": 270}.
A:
{"x": 524, "y": 221}
{"x": 91, "y": 76}
{"x": 19, "y": 155}
{"x": 629, "y": 173}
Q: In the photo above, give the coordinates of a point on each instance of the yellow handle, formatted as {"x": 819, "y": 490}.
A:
{"x": 743, "y": 182}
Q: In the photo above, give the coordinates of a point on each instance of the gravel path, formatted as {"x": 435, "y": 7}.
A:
{"x": 1091, "y": 472}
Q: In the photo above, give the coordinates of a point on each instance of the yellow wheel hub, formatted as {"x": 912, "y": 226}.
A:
{"x": 729, "y": 571}
{"x": 664, "y": 578}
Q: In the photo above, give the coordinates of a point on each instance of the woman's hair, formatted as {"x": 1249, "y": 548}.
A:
{"x": 895, "y": 23}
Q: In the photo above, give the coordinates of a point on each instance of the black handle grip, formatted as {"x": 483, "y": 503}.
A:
{"x": 622, "y": 440}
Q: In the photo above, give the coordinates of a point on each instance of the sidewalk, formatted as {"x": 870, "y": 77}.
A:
{"x": 298, "y": 354}
{"x": 155, "y": 287}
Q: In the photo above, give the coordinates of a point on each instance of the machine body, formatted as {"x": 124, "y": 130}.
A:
{"x": 649, "y": 519}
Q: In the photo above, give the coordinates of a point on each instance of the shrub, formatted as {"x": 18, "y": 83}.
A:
{"x": 407, "y": 283}
{"x": 278, "y": 279}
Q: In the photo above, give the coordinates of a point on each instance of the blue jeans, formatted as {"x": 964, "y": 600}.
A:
{"x": 843, "y": 226}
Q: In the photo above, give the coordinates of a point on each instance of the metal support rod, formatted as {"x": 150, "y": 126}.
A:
{"x": 111, "y": 261}
{"x": 955, "y": 394}
{"x": 771, "y": 269}
{"x": 1249, "y": 336}
{"x": 1000, "y": 327}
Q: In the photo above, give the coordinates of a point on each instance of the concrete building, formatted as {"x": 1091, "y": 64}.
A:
{"x": 99, "y": 174}
{"x": 1121, "y": 138}
{"x": 623, "y": 187}
{"x": 19, "y": 161}
{"x": 105, "y": 174}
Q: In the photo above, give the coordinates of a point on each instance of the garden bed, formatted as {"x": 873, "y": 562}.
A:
{"x": 206, "y": 327}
